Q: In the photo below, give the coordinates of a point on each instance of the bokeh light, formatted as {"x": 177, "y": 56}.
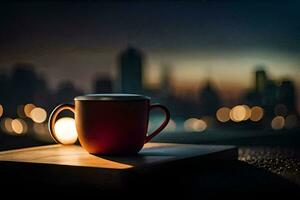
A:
{"x": 238, "y": 113}
{"x": 291, "y": 121}
{"x": 188, "y": 124}
{"x": 28, "y": 108}
{"x": 257, "y": 113}
{"x": 194, "y": 125}
{"x": 65, "y": 130}
{"x": 199, "y": 125}
{"x": 24, "y": 124}
{"x": 248, "y": 112}
{"x": 7, "y": 125}
{"x": 19, "y": 126}
{"x": 223, "y": 114}
{"x": 38, "y": 115}
{"x": 1, "y": 110}
{"x": 277, "y": 122}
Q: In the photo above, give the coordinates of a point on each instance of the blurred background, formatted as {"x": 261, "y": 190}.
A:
{"x": 227, "y": 70}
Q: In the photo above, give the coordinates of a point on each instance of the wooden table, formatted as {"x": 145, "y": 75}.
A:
{"x": 71, "y": 165}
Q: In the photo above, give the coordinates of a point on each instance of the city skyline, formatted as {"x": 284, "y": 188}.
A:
{"x": 185, "y": 79}
{"x": 276, "y": 97}
{"x": 102, "y": 83}
{"x": 223, "y": 41}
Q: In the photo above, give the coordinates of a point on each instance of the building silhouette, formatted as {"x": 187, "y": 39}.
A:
{"x": 24, "y": 84}
{"x": 209, "y": 99}
{"x": 276, "y": 97}
{"x": 166, "y": 82}
{"x": 261, "y": 79}
{"x": 103, "y": 85}
{"x": 66, "y": 92}
{"x": 287, "y": 95}
{"x": 131, "y": 71}
{"x": 43, "y": 95}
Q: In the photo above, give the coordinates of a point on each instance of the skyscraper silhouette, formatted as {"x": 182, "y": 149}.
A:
{"x": 287, "y": 95}
{"x": 130, "y": 71}
{"x": 165, "y": 85}
{"x": 260, "y": 80}
{"x": 209, "y": 99}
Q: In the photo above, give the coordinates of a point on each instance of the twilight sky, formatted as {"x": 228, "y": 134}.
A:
{"x": 222, "y": 40}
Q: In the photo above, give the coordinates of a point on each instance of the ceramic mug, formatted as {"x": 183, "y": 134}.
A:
{"x": 111, "y": 123}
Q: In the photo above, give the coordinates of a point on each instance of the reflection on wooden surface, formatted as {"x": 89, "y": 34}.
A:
{"x": 73, "y": 155}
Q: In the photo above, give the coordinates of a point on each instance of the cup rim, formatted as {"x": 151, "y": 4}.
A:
{"x": 111, "y": 97}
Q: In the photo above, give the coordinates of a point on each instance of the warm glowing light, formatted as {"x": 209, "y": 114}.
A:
{"x": 28, "y": 108}
{"x": 248, "y": 112}
{"x": 65, "y": 130}
{"x": 193, "y": 124}
{"x": 223, "y": 114}
{"x": 257, "y": 113}
{"x": 17, "y": 126}
{"x": 7, "y": 125}
{"x": 24, "y": 124}
{"x": 38, "y": 115}
{"x": 238, "y": 113}
{"x": 280, "y": 109}
{"x": 11, "y": 126}
{"x": 1, "y": 110}
{"x": 199, "y": 125}
{"x": 188, "y": 124}
{"x": 291, "y": 121}
{"x": 277, "y": 122}
{"x": 171, "y": 127}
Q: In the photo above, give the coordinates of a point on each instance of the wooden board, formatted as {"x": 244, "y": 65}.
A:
{"x": 74, "y": 164}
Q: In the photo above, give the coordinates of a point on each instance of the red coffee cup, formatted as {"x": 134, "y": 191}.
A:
{"x": 111, "y": 123}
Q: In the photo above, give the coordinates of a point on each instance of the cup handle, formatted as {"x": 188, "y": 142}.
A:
{"x": 163, "y": 125}
{"x": 53, "y": 117}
